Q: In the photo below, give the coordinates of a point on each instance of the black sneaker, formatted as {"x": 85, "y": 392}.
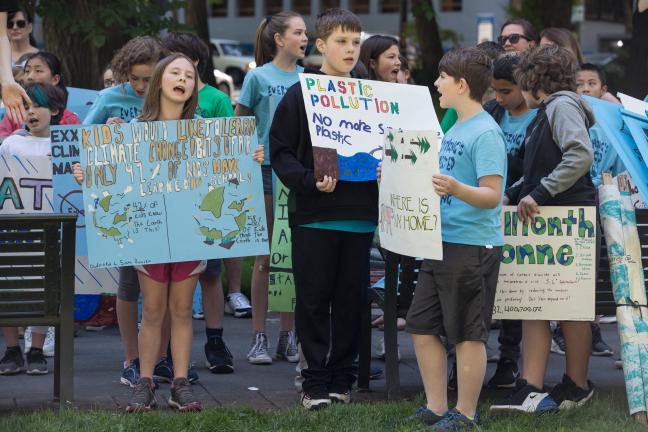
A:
{"x": 558, "y": 342}
{"x": 315, "y": 400}
{"x": 452, "y": 378}
{"x": 505, "y": 376}
{"x": 163, "y": 371}
{"x": 182, "y": 397}
{"x": 130, "y": 374}
{"x": 424, "y": 415}
{"x": 568, "y": 395}
{"x": 143, "y": 397}
{"x": 526, "y": 399}
{"x": 599, "y": 347}
{"x": 12, "y": 362}
{"x": 219, "y": 358}
{"x": 36, "y": 362}
{"x": 453, "y": 420}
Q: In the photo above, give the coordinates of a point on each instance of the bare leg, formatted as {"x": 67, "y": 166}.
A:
{"x": 10, "y": 336}
{"x": 166, "y": 335}
{"x": 471, "y": 369}
{"x": 578, "y": 341}
{"x": 433, "y": 363}
{"x": 536, "y": 343}
{"x": 38, "y": 339}
{"x": 154, "y": 307}
{"x": 213, "y": 301}
{"x": 286, "y": 321}
{"x": 127, "y": 321}
{"x": 180, "y": 303}
{"x": 234, "y": 267}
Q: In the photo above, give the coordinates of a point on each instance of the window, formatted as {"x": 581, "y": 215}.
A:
{"x": 390, "y": 6}
{"x": 604, "y": 10}
{"x": 219, "y": 8}
{"x": 450, "y": 5}
{"x": 245, "y": 8}
{"x": 273, "y": 6}
{"x": 328, "y": 4}
{"x": 302, "y": 7}
{"x": 359, "y": 6}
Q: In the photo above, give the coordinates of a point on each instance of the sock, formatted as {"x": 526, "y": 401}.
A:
{"x": 213, "y": 332}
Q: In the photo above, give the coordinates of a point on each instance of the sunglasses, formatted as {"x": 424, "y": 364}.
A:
{"x": 513, "y": 38}
{"x": 17, "y": 23}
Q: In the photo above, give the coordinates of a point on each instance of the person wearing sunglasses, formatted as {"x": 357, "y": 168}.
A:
{"x": 518, "y": 35}
{"x": 19, "y": 30}
{"x": 14, "y": 97}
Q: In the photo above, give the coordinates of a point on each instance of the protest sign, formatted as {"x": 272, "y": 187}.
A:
{"x": 181, "y": 190}
{"x": 281, "y": 287}
{"x": 80, "y": 100}
{"x": 547, "y": 268}
{"x": 409, "y": 212}
{"x": 25, "y": 185}
{"x": 348, "y": 117}
{"x": 636, "y": 106}
{"x": 635, "y": 196}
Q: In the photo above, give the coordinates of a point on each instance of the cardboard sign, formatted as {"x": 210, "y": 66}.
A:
{"x": 348, "y": 117}
{"x": 183, "y": 190}
{"x": 547, "y": 269}
{"x": 25, "y": 185}
{"x": 281, "y": 287}
{"x": 409, "y": 212}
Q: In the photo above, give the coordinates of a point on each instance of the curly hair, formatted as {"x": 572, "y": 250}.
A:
{"x": 139, "y": 50}
{"x": 550, "y": 69}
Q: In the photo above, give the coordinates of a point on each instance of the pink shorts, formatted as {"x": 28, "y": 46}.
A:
{"x": 172, "y": 272}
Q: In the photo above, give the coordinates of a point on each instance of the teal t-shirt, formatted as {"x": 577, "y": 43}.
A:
{"x": 117, "y": 101}
{"x": 213, "y": 103}
{"x": 356, "y": 226}
{"x": 472, "y": 149}
{"x": 605, "y": 157}
{"x": 514, "y": 129}
{"x": 262, "y": 90}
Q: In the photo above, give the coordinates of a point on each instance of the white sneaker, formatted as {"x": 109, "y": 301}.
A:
{"x": 380, "y": 352}
{"x": 28, "y": 339}
{"x": 258, "y": 353}
{"x": 315, "y": 402}
{"x": 237, "y": 304}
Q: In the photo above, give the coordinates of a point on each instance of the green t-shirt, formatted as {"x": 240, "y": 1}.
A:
{"x": 449, "y": 119}
{"x": 213, "y": 103}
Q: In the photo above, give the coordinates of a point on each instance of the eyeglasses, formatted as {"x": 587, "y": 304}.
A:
{"x": 17, "y": 23}
{"x": 513, "y": 38}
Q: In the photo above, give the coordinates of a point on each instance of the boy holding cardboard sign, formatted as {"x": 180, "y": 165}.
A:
{"x": 332, "y": 225}
{"x": 454, "y": 297}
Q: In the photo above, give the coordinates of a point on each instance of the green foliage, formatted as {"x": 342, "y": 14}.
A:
{"x": 543, "y": 13}
{"x": 94, "y": 20}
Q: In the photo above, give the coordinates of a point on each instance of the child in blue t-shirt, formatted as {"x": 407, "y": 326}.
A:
{"x": 454, "y": 297}
{"x": 591, "y": 81}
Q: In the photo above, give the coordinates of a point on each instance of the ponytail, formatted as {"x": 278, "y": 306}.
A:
{"x": 266, "y": 48}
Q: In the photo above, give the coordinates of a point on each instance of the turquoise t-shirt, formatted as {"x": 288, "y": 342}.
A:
{"x": 118, "y": 101}
{"x": 356, "y": 226}
{"x": 262, "y": 90}
{"x": 514, "y": 129}
{"x": 605, "y": 157}
{"x": 472, "y": 149}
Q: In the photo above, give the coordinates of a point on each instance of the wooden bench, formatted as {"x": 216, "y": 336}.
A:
{"x": 37, "y": 284}
{"x": 399, "y": 289}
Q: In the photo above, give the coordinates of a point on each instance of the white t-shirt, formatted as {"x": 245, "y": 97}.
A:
{"x": 28, "y": 145}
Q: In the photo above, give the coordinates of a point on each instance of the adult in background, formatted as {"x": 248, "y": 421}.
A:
{"x": 518, "y": 35}
{"x": 19, "y": 30}
{"x": 13, "y": 94}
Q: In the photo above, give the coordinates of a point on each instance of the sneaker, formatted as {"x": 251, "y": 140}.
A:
{"x": 599, "y": 347}
{"x": 237, "y": 304}
{"x": 340, "y": 394}
{"x": 36, "y": 362}
{"x": 492, "y": 354}
{"x": 608, "y": 319}
{"x": 287, "y": 347}
{"x": 527, "y": 399}
{"x": 143, "y": 397}
{"x": 452, "y": 378}
{"x": 182, "y": 397}
{"x": 568, "y": 395}
{"x": 219, "y": 358}
{"x": 192, "y": 374}
{"x": 425, "y": 416}
{"x": 12, "y": 362}
{"x": 131, "y": 374}
{"x": 163, "y": 371}
{"x": 453, "y": 420}
{"x": 315, "y": 401}
{"x": 380, "y": 352}
{"x": 49, "y": 345}
{"x": 27, "y": 338}
{"x": 558, "y": 342}
{"x": 258, "y": 353}
{"x": 505, "y": 376}
{"x": 375, "y": 373}
{"x": 198, "y": 315}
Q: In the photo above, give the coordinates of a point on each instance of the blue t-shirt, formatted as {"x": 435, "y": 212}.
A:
{"x": 117, "y": 101}
{"x": 514, "y": 129}
{"x": 262, "y": 90}
{"x": 472, "y": 149}
{"x": 605, "y": 157}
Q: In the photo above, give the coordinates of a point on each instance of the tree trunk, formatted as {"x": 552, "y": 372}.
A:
{"x": 427, "y": 33}
{"x": 197, "y": 21}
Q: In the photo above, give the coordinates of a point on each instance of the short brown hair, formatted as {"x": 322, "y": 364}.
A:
{"x": 550, "y": 69}
{"x": 332, "y": 19}
{"x": 471, "y": 64}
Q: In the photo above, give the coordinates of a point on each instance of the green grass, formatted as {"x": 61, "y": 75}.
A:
{"x": 604, "y": 414}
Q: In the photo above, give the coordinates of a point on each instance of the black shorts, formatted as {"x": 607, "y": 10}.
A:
{"x": 128, "y": 288}
{"x": 213, "y": 268}
{"x": 266, "y": 175}
{"x": 454, "y": 297}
